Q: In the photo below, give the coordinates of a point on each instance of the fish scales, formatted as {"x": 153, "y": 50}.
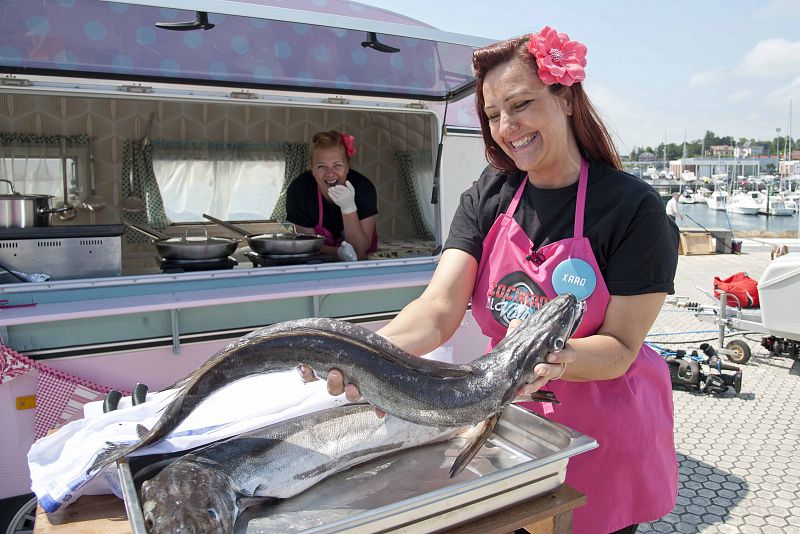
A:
{"x": 422, "y": 391}
{"x": 204, "y": 491}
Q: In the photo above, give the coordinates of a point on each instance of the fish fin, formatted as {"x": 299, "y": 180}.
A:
{"x": 243, "y": 503}
{"x": 468, "y": 452}
{"x": 539, "y": 396}
{"x": 111, "y": 452}
{"x": 141, "y": 431}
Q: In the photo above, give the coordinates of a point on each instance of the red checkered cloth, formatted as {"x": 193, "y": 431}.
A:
{"x": 60, "y": 396}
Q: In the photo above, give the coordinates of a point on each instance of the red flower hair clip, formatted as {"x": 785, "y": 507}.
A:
{"x": 349, "y": 144}
{"x": 559, "y": 59}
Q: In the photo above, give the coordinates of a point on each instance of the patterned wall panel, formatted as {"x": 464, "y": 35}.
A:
{"x": 109, "y": 121}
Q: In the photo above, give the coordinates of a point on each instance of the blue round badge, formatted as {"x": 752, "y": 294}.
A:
{"x": 574, "y": 276}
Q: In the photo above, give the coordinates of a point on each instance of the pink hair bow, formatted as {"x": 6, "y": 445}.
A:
{"x": 559, "y": 59}
{"x": 349, "y": 144}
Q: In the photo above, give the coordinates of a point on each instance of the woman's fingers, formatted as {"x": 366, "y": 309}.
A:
{"x": 306, "y": 373}
{"x": 336, "y": 385}
{"x": 351, "y": 392}
{"x": 336, "y": 382}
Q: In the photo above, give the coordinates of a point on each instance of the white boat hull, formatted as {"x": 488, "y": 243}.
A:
{"x": 742, "y": 210}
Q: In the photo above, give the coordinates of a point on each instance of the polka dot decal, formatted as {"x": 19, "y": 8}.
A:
{"x": 100, "y": 37}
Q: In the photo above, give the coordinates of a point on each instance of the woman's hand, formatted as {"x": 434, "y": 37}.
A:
{"x": 336, "y": 385}
{"x": 554, "y": 369}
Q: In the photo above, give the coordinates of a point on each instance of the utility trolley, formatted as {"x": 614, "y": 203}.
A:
{"x": 777, "y": 319}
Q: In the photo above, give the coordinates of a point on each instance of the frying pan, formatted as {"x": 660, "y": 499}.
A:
{"x": 195, "y": 247}
{"x": 277, "y": 244}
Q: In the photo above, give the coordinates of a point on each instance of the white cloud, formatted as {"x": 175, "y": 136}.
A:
{"x": 771, "y": 58}
{"x": 707, "y": 78}
{"x": 739, "y": 96}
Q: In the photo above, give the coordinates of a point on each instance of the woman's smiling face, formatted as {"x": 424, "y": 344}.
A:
{"x": 527, "y": 120}
{"x": 329, "y": 167}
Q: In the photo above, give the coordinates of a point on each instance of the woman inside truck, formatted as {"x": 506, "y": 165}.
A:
{"x": 335, "y": 201}
{"x": 552, "y": 209}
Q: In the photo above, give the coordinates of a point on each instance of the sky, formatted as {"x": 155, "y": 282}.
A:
{"x": 669, "y": 69}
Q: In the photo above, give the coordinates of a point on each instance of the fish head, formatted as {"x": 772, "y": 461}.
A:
{"x": 188, "y": 499}
{"x": 543, "y": 332}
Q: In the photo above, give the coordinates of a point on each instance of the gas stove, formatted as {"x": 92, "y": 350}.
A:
{"x": 188, "y": 266}
{"x": 260, "y": 260}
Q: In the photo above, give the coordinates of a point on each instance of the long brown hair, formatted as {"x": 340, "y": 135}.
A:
{"x": 591, "y": 135}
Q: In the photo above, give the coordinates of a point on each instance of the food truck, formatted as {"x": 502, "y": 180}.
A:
{"x": 126, "y": 114}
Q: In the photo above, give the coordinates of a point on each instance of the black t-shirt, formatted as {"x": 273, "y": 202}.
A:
{"x": 302, "y": 208}
{"x": 634, "y": 242}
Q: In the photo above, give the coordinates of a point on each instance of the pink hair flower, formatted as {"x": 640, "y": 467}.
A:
{"x": 349, "y": 144}
{"x": 559, "y": 59}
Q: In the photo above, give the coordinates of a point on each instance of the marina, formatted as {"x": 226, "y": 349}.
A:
{"x": 701, "y": 216}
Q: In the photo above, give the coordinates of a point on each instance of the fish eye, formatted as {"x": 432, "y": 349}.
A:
{"x": 558, "y": 344}
{"x": 213, "y": 514}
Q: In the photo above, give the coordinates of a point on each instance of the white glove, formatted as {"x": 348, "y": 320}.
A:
{"x": 344, "y": 196}
{"x": 347, "y": 252}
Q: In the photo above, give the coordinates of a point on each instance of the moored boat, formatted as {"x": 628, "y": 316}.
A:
{"x": 775, "y": 205}
{"x": 742, "y": 203}
{"x": 718, "y": 200}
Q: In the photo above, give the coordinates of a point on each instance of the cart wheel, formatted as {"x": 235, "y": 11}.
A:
{"x": 24, "y": 520}
{"x": 741, "y": 351}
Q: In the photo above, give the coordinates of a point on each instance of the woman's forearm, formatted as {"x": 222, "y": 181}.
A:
{"x": 609, "y": 353}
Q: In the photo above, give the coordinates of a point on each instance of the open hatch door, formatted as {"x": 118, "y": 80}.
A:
{"x": 341, "y": 48}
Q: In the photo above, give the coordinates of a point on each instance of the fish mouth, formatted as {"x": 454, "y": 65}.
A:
{"x": 574, "y": 321}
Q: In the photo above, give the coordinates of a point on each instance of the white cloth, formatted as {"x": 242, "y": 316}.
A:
{"x": 58, "y": 462}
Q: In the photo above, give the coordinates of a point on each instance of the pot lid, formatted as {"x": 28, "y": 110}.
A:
{"x": 197, "y": 240}
{"x": 336, "y": 46}
{"x": 24, "y": 196}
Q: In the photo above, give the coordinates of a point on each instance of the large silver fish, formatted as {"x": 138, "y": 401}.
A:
{"x": 205, "y": 490}
{"x": 421, "y": 391}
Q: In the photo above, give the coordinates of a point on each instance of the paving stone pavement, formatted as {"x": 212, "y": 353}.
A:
{"x": 739, "y": 454}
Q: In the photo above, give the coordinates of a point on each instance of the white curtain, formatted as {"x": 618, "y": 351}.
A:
{"x": 33, "y": 163}
{"x": 231, "y": 181}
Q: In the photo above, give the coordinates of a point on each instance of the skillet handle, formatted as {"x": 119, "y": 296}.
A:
{"x": 227, "y": 225}
{"x": 146, "y": 231}
{"x": 289, "y": 226}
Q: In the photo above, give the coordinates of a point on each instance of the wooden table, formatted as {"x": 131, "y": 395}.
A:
{"x": 550, "y": 513}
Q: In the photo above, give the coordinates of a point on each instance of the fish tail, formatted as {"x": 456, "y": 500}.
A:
{"x": 468, "y": 452}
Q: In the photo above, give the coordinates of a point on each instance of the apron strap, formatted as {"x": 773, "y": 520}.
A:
{"x": 512, "y": 208}
{"x": 319, "y": 207}
{"x": 580, "y": 202}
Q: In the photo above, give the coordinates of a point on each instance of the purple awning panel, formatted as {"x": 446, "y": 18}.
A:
{"x": 94, "y": 38}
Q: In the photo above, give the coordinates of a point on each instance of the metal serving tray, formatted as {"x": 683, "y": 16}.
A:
{"x": 411, "y": 491}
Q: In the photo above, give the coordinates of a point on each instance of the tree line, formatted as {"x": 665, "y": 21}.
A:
{"x": 695, "y": 148}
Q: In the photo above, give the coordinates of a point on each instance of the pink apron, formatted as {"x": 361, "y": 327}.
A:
{"x": 329, "y": 240}
{"x": 632, "y": 477}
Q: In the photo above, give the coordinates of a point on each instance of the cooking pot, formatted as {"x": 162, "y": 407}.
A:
{"x": 288, "y": 243}
{"x": 196, "y": 247}
{"x": 25, "y": 211}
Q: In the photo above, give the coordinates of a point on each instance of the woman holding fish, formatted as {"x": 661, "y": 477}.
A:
{"x": 555, "y": 214}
